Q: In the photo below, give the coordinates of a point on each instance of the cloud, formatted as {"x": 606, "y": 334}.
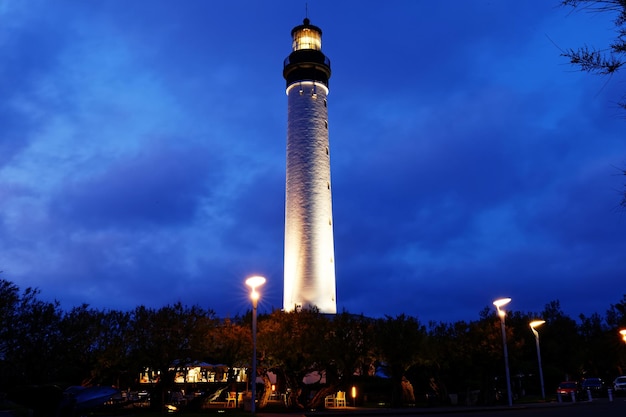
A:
{"x": 142, "y": 154}
{"x": 163, "y": 185}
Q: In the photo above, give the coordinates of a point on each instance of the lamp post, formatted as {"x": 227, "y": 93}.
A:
{"x": 254, "y": 282}
{"x": 500, "y": 303}
{"x": 622, "y": 333}
{"x": 533, "y": 324}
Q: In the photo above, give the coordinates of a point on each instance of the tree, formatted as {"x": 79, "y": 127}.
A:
{"x": 113, "y": 364}
{"x": 167, "y": 339}
{"x": 399, "y": 343}
{"x": 230, "y": 343}
{"x": 292, "y": 344}
{"x": 345, "y": 352}
{"x": 95, "y": 348}
{"x": 9, "y": 301}
{"x": 616, "y": 319}
{"x": 561, "y": 345}
{"x": 80, "y": 331}
{"x": 596, "y": 336}
{"x": 616, "y": 315}
{"x": 467, "y": 357}
{"x": 601, "y": 61}
{"x": 34, "y": 340}
{"x": 349, "y": 346}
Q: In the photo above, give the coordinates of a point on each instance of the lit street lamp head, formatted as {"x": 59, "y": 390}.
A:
{"x": 536, "y": 323}
{"x": 501, "y": 302}
{"x": 623, "y": 333}
{"x": 255, "y": 282}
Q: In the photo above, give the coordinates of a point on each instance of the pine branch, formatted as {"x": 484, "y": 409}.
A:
{"x": 593, "y": 61}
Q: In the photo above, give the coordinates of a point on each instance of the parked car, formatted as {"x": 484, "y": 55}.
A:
{"x": 593, "y": 385}
{"x": 619, "y": 385}
{"x": 566, "y": 388}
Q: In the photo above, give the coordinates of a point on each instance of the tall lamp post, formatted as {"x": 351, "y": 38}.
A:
{"x": 534, "y": 324}
{"x": 622, "y": 332}
{"x": 254, "y": 283}
{"x": 500, "y": 303}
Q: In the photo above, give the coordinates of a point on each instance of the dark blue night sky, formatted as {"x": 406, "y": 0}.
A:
{"x": 142, "y": 154}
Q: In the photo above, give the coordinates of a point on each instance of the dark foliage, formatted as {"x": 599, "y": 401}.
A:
{"x": 408, "y": 363}
{"x": 610, "y": 59}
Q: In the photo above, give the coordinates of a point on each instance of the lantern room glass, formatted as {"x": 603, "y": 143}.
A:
{"x": 307, "y": 38}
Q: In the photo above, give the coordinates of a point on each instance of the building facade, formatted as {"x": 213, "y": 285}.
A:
{"x": 309, "y": 269}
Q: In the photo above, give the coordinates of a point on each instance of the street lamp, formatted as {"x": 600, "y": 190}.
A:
{"x": 500, "y": 303}
{"x": 254, "y": 283}
{"x": 534, "y": 324}
{"x": 623, "y": 333}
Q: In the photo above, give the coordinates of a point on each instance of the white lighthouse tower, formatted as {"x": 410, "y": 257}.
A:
{"x": 309, "y": 247}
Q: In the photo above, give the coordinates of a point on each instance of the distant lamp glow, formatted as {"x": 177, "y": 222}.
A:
{"x": 533, "y": 324}
{"x": 254, "y": 282}
{"x": 623, "y": 333}
{"x": 501, "y": 302}
{"x": 353, "y": 396}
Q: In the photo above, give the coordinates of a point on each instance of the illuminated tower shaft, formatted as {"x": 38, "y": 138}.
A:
{"x": 309, "y": 247}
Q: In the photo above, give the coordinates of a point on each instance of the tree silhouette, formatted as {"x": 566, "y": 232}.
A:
{"x": 610, "y": 59}
{"x": 293, "y": 344}
{"x": 399, "y": 343}
{"x": 40, "y": 344}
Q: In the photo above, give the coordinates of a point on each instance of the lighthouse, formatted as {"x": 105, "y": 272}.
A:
{"x": 309, "y": 279}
